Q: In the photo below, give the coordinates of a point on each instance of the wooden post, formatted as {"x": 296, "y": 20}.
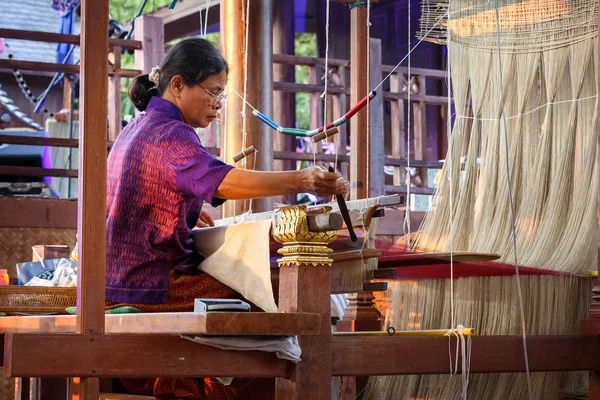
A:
{"x": 284, "y": 103}
{"x": 315, "y": 104}
{"x": 305, "y": 286}
{"x": 114, "y": 96}
{"x": 397, "y": 126}
{"x": 359, "y": 181}
{"x": 150, "y": 31}
{"x": 258, "y": 91}
{"x": 376, "y": 151}
{"x": 91, "y": 206}
{"x": 340, "y": 106}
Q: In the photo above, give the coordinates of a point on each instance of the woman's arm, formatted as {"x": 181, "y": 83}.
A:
{"x": 244, "y": 184}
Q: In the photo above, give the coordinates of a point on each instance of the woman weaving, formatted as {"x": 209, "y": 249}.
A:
{"x": 159, "y": 175}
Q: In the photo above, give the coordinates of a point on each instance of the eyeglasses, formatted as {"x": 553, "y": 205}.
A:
{"x": 217, "y": 98}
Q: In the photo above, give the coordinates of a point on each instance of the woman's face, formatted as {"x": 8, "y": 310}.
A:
{"x": 198, "y": 104}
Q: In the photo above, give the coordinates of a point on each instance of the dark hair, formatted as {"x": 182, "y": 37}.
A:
{"x": 193, "y": 59}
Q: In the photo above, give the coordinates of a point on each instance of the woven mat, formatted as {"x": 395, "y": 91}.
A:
{"x": 16, "y": 243}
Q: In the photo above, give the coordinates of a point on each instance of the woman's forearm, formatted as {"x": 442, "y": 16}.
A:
{"x": 244, "y": 184}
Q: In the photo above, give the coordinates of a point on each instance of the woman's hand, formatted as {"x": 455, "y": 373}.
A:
{"x": 322, "y": 183}
{"x": 205, "y": 220}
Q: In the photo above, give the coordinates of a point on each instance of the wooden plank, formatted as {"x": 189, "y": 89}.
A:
{"x": 119, "y": 396}
{"x": 376, "y": 133}
{"x": 24, "y": 212}
{"x": 36, "y": 171}
{"x": 307, "y": 88}
{"x": 397, "y": 127}
{"x": 50, "y": 37}
{"x": 151, "y": 31}
{"x": 361, "y": 356}
{"x": 91, "y": 227}
{"x": 374, "y": 286}
{"x": 359, "y": 181}
{"x": 403, "y": 189}
{"x": 289, "y": 155}
{"x": 439, "y": 74}
{"x": 315, "y": 105}
{"x": 299, "y": 60}
{"x": 222, "y": 324}
{"x": 34, "y": 66}
{"x": 307, "y": 288}
{"x": 131, "y": 356}
{"x": 40, "y": 141}
{"x": 428, "y": 99}
{"x": 410, "y": 260}
{"x": 114, "y": 98}
{"x": 91, "y": 210}
{"x": 340, "y": 107}
{"x": 414, "y": 163}
{"x": 284, "y": 103}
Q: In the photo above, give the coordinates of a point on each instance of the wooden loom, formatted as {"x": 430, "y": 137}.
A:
{"x": 145, "y": 345}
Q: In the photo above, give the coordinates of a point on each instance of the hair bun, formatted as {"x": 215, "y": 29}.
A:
{"x": 154, "y": 75}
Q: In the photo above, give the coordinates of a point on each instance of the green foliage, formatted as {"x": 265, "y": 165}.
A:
{"x": 305, "y": 44}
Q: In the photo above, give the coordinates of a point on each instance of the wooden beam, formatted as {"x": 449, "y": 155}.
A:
{"x": 131, "y": 356}
{"x": 151, "y": 31}
{"x": 375, "y": 121}
{"x": 50, "y": 37}
{"x": 308, "y": 61}
{"x": 284, "y": 104}
{"x": 359, "y": 181}
{"x": 91, "y": 210}
{"x": 42, "y": 141}
{"x": 222, "y": 324}
{"x": 24, "y": 212}
{"x": 114, "y": 98}
{"x": 233, "y": 33}
{"x": 307, "y": 288}
{"x": 36, "y": 171}
{"x": 371, "y": 356}
{"x": 34, "y": 66}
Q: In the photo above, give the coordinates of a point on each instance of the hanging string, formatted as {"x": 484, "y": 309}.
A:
{"x": 368, "y": 186}
{"x": 201, "y": 25}
{"x": 245, "y": 18}
{"x": 206, "y": 17}
{"x": 512, "y": 211}
{"x": 406, "y": 226}
{"x": 324, "y": 94}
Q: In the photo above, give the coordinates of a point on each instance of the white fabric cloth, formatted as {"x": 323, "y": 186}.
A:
{"x": 238, "y": 256}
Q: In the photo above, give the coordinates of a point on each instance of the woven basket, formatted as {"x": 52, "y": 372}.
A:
{"x": 36, "y": 300}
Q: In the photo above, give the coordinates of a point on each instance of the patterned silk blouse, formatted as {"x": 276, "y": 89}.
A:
{"x": 159, "y": 175}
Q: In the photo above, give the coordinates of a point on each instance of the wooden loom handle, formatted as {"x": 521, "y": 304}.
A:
{"x": 244, "y": 153}
{"x": 324, "y": 135}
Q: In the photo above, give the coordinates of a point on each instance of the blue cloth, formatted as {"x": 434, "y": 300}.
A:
{"x": 66, "y": 27}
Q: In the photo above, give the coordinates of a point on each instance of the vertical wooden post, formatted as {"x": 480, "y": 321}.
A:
{"x": 315, "y": 103}
{"x": 114, "y": 96}
{"x": 233, "y": 27}
{"x": 340, "y": 106}
{"x": 150, "y": 31}
{"x": 397, "y": 126}
{"x": 376, "y": 151}
{"x": 91, "y": 207}
{"x": 305, "y": 286}
{"x": 359, "y": 181}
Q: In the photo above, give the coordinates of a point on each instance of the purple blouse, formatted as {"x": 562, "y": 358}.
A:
{"x": 158, "y": 177}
